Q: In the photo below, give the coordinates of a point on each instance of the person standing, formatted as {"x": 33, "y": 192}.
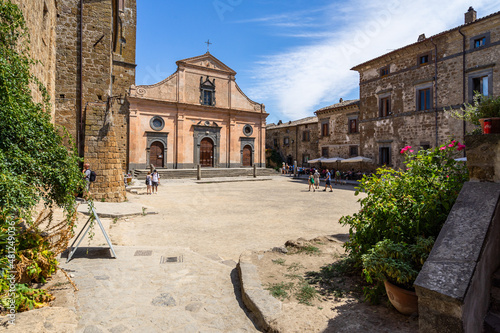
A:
{"x": 86, "y": 175}
{"x": 155, "y": 177}
{"x": 328, "y": 181}
{"x": 316, "y": 179}
{"x": 311, "y": 182}
{"x": 337, "y": 177}
{"x": 148, "y": 183}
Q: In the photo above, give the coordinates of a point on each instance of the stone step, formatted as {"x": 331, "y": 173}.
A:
{"x": 492, "y": 323}
{"x": 206, "y": 173}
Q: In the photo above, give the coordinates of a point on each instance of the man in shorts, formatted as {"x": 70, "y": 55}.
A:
{"x": 155, "y": 177}
{"x": 328, "y": 181}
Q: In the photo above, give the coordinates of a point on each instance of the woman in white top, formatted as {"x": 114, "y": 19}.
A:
{"x": 316, "y": 179}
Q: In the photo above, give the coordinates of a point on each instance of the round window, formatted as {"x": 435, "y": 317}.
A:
{"x": 247, "y": 130}
{"x": 157, "y": 123}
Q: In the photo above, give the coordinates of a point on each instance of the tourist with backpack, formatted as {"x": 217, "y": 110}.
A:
{"x": 89, "y": 177}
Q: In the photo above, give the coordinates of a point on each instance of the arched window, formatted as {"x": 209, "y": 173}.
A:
{"x": 207, "y": 91}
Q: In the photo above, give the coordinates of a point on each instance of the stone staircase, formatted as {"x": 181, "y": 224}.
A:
{"x": 492, "y": 319}
{"x": 206, "y": 173}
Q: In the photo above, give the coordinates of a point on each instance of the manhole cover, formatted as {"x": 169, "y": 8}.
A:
{"x": 143, "y": 253}
{"x": 164, "y": 260}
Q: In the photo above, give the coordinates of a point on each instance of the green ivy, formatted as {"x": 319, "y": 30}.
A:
{"x": 34, "y": 164}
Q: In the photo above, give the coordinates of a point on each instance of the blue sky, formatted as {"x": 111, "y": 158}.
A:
{"x": 294, "y": 56}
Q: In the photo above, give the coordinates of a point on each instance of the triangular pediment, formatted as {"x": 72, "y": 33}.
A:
{"x": 207, "y": 61}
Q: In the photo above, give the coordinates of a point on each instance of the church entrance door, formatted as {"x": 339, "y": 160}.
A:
{"x": 247, "y": 156}
{"x": 156, "y": 154}
{"x": 207, "y": 153}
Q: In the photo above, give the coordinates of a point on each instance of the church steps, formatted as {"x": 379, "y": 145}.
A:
{"x": 205, "y": 173}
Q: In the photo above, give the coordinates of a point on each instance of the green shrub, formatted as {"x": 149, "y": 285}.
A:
{"x": 403, "y": 205}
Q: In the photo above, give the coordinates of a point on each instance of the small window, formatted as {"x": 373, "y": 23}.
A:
{"x": 424, "y": 59}
{"x": 275, "y": 142}
{"x": 324, "y": 129}
{"x": 305, "y": 158}
{"x": 157, "y": 123}
{"x": 425, "y": 146}
{"x": 385, "y": 155}
{"x": 248, "y": 130}
{"x": 286, "y": 141}
{"x": 207, "y": 91}
{"x": 424, "y": 99}
{"x": 353, "y": 151}
{"x": 480, "y": 85}
{"x": 479, "y": 42}
{"x": 384, "y": 71}
{"x": 385, "y": 107}
{"x": 353, "y": 125}
{"x": 306, "y": 136}
{"x": 121, "y": 5}
{"x": 324, "y": 152}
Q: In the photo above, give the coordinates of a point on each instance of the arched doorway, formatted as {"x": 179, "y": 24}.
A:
{"x": 156, "y": 154}
{"x": 247, "y": 156}
{"x": 207, "y": 152}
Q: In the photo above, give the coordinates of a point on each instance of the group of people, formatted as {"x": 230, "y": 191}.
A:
{"x": 314, "y": 179}
{"x": 152, "y": 182}
{"x": 287, "y": 169}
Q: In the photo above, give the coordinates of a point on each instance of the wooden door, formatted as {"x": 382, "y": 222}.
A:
{"x": 156, "y": 154}
{"x": 247, "y": 156}
{"x": 207, "y": 153}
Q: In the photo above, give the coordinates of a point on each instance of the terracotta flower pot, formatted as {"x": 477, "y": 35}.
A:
{"x": 405, "y": 301}
{"x": 490, "y": 125}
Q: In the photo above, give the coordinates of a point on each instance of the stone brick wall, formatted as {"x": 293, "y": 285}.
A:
{"x": 101, "y": 152}
{"x": 107, "y": 63}
{"x": 40, "y": 16}
{"x": 297, "y": 147}
{"x": 406, "y": 125}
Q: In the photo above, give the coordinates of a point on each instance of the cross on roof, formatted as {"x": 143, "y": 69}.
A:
{"x": 208, "y": 45}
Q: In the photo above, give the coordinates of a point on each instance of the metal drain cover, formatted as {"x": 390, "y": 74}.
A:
{"x": 143, "y": 253}
{"x": 164, "y": 260}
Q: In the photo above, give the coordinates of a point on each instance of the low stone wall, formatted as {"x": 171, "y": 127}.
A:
{"x": 454, "y": 285}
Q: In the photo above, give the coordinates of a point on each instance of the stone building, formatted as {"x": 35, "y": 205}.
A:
{"x": 403, "y": 93}
{"x": 339, "y": 129}
{"x": 198, "y": 115}
{"x": 294, "y": 140}
{"x": 40, "y": 16}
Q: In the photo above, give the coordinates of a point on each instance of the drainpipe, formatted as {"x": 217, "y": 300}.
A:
{"x": 81, "y": 136}
{"x": 463, "y": 77}
{"x": 436, "y": 90}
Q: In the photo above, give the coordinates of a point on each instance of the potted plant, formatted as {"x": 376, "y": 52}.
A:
{"x": 397, "y": 265}
{"x": 484, "y": 112}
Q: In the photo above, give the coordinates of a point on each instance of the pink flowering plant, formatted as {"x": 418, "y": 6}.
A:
{"x": 402, "y": 207}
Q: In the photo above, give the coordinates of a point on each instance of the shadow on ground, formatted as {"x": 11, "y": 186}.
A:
{"x": 89, "y": 253}
{"x": 235, "y": 280}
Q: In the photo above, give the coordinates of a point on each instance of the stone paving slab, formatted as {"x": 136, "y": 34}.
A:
{"x": 138, "y": 293}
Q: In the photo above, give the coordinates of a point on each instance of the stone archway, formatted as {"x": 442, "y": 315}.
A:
{"x": 156, "y": 152}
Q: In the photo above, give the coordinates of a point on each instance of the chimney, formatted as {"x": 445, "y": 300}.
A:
{"x": 421, "y": 38}
{"x": 341, "y": 100}
{"x": 470, "y": 16}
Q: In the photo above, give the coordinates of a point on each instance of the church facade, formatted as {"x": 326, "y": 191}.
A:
{"x": 198, "y": 115}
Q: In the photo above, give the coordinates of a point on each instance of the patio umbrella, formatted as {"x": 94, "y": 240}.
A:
{"x": 358, "y": 159}
{"x": 333, "y": 159}
{"x": 316, "y": 160}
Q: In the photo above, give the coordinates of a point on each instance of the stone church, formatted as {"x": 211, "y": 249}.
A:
{"x": 198, "y": 115}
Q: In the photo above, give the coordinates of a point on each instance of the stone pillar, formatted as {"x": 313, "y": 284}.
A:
{"x": 101, "y": 151}
{"x": 295, "y": 169}
{"x": 198, "y": 171}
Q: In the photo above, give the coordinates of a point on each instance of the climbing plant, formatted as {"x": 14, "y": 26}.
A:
{"x": 35, "y": 166}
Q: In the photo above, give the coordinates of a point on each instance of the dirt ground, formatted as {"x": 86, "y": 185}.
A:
{"x": 337, "y": 307}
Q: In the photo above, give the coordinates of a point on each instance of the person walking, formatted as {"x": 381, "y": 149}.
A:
{"x": 149, "y": 183}
{"x": 311, "y": 182}
{"x": 328, "y": 181}
{"x": 316, "y": 179}
{"x": 337, "y": 177}
{"x": 155, "y": 178}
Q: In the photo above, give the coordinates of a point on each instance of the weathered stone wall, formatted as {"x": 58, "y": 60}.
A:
{"x": 296, "y": 147}
{"x": 40, "y": 16}
{"x": 407, "y": 126}
{"x": 339, "y": 140}
{"x": 101, "y": 152}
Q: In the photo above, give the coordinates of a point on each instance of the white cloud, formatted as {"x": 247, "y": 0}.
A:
{"x": 299, "y": 81}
